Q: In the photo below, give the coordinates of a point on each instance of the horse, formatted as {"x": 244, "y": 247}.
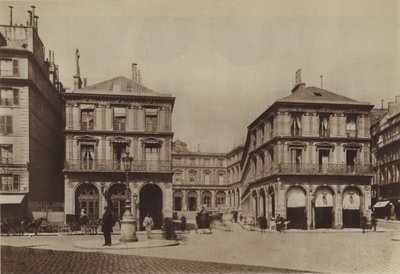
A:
{"x": 13, "y": 225}
{"x": 35, "y": 224}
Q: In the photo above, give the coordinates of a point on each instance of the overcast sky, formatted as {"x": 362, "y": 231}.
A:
{"x": 225, "y": 61}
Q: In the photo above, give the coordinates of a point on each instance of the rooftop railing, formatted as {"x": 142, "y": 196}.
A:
{"x": 114, "y": 165}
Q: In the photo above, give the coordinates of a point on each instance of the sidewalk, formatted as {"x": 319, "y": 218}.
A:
{"x": 320, "y": 230}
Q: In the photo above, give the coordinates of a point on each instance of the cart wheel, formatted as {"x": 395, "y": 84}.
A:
{"x": 64, "y": 228}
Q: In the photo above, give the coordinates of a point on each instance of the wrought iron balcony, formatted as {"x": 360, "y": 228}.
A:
{"x": 87, "y": 125}
{"x": 113, "y": 165}
{"x": 317, "y": 169}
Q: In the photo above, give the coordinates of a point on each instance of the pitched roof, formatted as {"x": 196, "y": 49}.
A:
{"x": 119, "y": 85}
{"x": 317, "y": 95}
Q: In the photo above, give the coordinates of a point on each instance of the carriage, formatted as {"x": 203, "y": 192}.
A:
{"x": 203, "y": 221}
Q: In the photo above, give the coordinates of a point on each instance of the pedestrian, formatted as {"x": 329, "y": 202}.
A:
{"x": 374, "y": 222}
{"x": 240, "y": 217}
{"x": 235, "y": 216}
{"x": 364, "y": 222}
{"x": 148, "y": 224}
{"x": 83, "y": 220}
{"x": 262, "y": 221}
{"x": 278, "y": 223}
{"x": 183, "y": 223}
{"x": 106, "y": 227}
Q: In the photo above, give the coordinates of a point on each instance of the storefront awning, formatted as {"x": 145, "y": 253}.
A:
{"x": 11, "y": 199}
{"x": 381, "y": 204}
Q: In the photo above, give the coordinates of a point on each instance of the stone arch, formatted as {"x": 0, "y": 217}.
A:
{"x": 220, "y": 198}
{"x": 324, "y": 205}
{"x": 87, "y": 197}
{"x": 206, "y": 198}
{"x": 352, "y": 204}
{"x": 296, "y": 207}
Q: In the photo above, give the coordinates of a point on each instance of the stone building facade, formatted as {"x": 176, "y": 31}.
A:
{"x": 105, "y": 121}
{"x": 233, "y": 159}
{"x": 31, "y": 122}
{"x": 307, "y": 159}
{"x": 385, "y": 132}
{"x": 200, "y": 180}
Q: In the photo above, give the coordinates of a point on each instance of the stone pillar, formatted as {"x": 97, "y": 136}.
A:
{"x": 76, "y": 119}
{"x": 129, "y": 119}
{"x": 161, "y": 119}
{"x": 339, "y": 208}
{"x": 199, "y": 200}
{"x": 213, "y": 199}
{"x": 141, "y": 125}
{"x": 109, "y": 118}
{"x": 184, "y": 200}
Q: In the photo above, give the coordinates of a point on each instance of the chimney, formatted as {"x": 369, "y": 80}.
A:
{"x": 139, "y": 77}
{"x": 299, "y": 85}
{"x": 11, "y": 15}
{"x": 77, "y": 77}
{"x": 36, "y": 19}
{"x": 30, "y": 18}
{"x": 50, "y": 56}
{"x": 84, "y": 82}
{"x": 134, "y": 73}
{"x": 33, "y": 16}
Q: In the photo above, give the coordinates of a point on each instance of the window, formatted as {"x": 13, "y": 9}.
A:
{"x": 296, "y": 125}
{"x": 6, "y": 124}
{"x": 296, "y": 159}
{"x": 119, "y": 122}
{"x": 192, "y": 176}
{"x": 324, "y": 126}
{"x": 220, "y": 198}
{"x": 207, "y": 177}
{"x": 351, "y": 126}
{"x": 323, "y": 160}
{"x": 221, "y": 178}
{"x": 9, "y": 97}
{"x": 207, "y": 199}
{"x": 151, "y": 119}
{"x": 87, "y": 116}
{"x": 10, "y": 182}
{"x": 9, "y": 67}
{"x": 119, "y": 150}
{"x": 87, "y": 156}
{"x": 6, "y": 153}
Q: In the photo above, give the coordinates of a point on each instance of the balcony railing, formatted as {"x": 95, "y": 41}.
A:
{"x": 113, "y": 165}
{"x": 324, "y": 132}
{"x": 317, "y": 169}
{"x": 151, "y": 127}
{"x": 87, "y": 125}
{"x": 351, "y": 133}
{"x": 6, "y": 160}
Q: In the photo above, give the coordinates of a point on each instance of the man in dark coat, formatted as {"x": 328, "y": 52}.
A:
{"x": 107, "y": 225}
{"x": 183, "y": 223}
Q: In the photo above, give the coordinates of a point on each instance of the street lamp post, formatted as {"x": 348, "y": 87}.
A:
{"x": 128, "y": 222}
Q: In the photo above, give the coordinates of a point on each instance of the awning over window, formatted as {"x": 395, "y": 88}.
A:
{"x": 11, "y": 199}
{"x": 381, "y": 204}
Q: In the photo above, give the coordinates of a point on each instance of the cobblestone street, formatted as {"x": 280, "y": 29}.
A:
{"x": 222, "y": 251}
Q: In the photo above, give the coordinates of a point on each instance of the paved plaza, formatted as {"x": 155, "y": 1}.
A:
{"x": 237, "y": 251}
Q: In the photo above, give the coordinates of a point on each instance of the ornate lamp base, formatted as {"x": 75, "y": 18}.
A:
{"x": 128, "y": 229}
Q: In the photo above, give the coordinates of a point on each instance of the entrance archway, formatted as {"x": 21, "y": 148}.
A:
{"x": 324, "y": 217}
{"x": 87, "y": 197}
{"x": 351, "y": 207}
{"x": 151, "y": 202}
{"x": 296, "y": 208}
{"x": 192, "y": 200}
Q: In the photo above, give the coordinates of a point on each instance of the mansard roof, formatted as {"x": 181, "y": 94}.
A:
{"x": 120, "y": 86}
{"x": 318, "y": 95}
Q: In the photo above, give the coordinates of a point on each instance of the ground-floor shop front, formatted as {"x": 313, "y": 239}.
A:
{"x": 310, "y": 203}
{"x": 146, "y": 196}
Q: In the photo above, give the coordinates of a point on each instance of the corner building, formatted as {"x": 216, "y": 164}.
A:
{"x": 103, "y": 122}
{"x": 31, "y": 125}
{"x": 307, "y": 158}
{"x": 385, "y": 133}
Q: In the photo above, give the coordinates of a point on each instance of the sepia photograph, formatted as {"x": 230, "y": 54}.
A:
{"x": 215, "y": 136}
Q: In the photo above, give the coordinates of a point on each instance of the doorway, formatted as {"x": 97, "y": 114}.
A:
{"x": 351, "y": 208}
{"x": 151, "y": 202}
{"x": 323, "y": 211}
{"x": 296, "y": 208}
